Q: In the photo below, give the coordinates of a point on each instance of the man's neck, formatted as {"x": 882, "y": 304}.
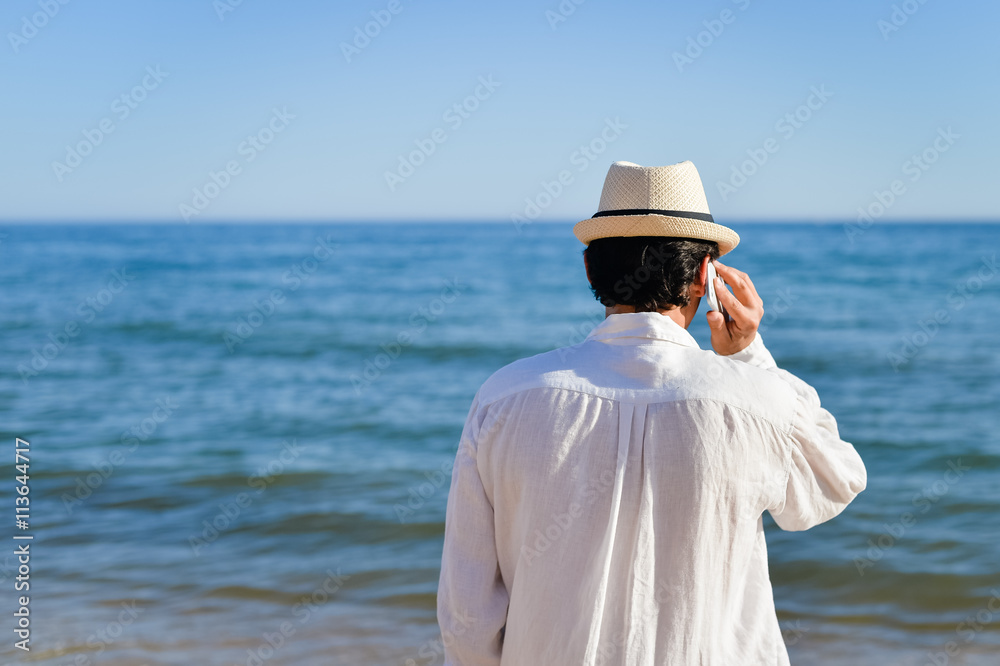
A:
{"x": 677, "y": 314}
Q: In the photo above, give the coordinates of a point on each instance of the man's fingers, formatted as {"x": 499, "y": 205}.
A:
{"x": 716, "y": 321}
{"x": 745, "y": 309}
{"x": 736, "y": 309}
{"x": 744, "y": 318}
{"x": 742, "y": 285}
{"x": 740, "y": 282}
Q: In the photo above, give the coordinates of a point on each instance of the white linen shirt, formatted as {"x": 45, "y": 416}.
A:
{"x": 606, "y": 502}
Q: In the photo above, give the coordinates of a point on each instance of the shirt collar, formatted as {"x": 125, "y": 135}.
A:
{"x": 633, "y": 327}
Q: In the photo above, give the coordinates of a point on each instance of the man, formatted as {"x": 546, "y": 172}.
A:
{"x": 606, "y": 500}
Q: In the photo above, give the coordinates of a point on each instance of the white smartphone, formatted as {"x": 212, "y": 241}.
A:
{"x": 713, "y": 299}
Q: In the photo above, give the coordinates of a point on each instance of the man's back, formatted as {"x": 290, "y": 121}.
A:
{"x": 606, "y": 502}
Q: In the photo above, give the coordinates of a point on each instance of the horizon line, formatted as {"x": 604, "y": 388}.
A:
{"x": 421, "y": 220}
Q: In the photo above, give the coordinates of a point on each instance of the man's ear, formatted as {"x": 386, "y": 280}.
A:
{"x": 586, "y": 267}
{"x": 699, "y": 287}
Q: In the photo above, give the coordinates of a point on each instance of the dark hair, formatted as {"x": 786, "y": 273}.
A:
{"x": 648, "y": 272}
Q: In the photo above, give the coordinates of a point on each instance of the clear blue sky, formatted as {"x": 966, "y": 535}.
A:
{"x": 891, "y": 94}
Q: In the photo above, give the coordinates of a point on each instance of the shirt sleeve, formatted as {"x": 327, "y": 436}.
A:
{"x": 825, "y": 473}
{"x": 472, "y": 599}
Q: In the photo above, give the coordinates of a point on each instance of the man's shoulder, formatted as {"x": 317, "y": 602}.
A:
{"x": 678, "y": 374}
{"x": 747, "y": 387}
{"x": 525, "y": 373}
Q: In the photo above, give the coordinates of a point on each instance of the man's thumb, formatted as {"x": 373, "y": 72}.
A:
{"x": 716, "y": 321}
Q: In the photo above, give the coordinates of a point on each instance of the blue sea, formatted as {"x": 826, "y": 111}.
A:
{"x": 240, "y": 435}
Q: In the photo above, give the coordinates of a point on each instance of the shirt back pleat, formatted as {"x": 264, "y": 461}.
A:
{"x": 625, "y": 411}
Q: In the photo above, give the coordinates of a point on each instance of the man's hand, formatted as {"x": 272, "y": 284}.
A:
{"x": 746, "y": 309}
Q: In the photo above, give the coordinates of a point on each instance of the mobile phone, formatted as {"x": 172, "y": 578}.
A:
{"x": 714, "y": 304}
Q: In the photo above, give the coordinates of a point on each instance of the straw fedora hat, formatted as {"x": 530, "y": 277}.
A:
{"x": 655, "y": 201}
